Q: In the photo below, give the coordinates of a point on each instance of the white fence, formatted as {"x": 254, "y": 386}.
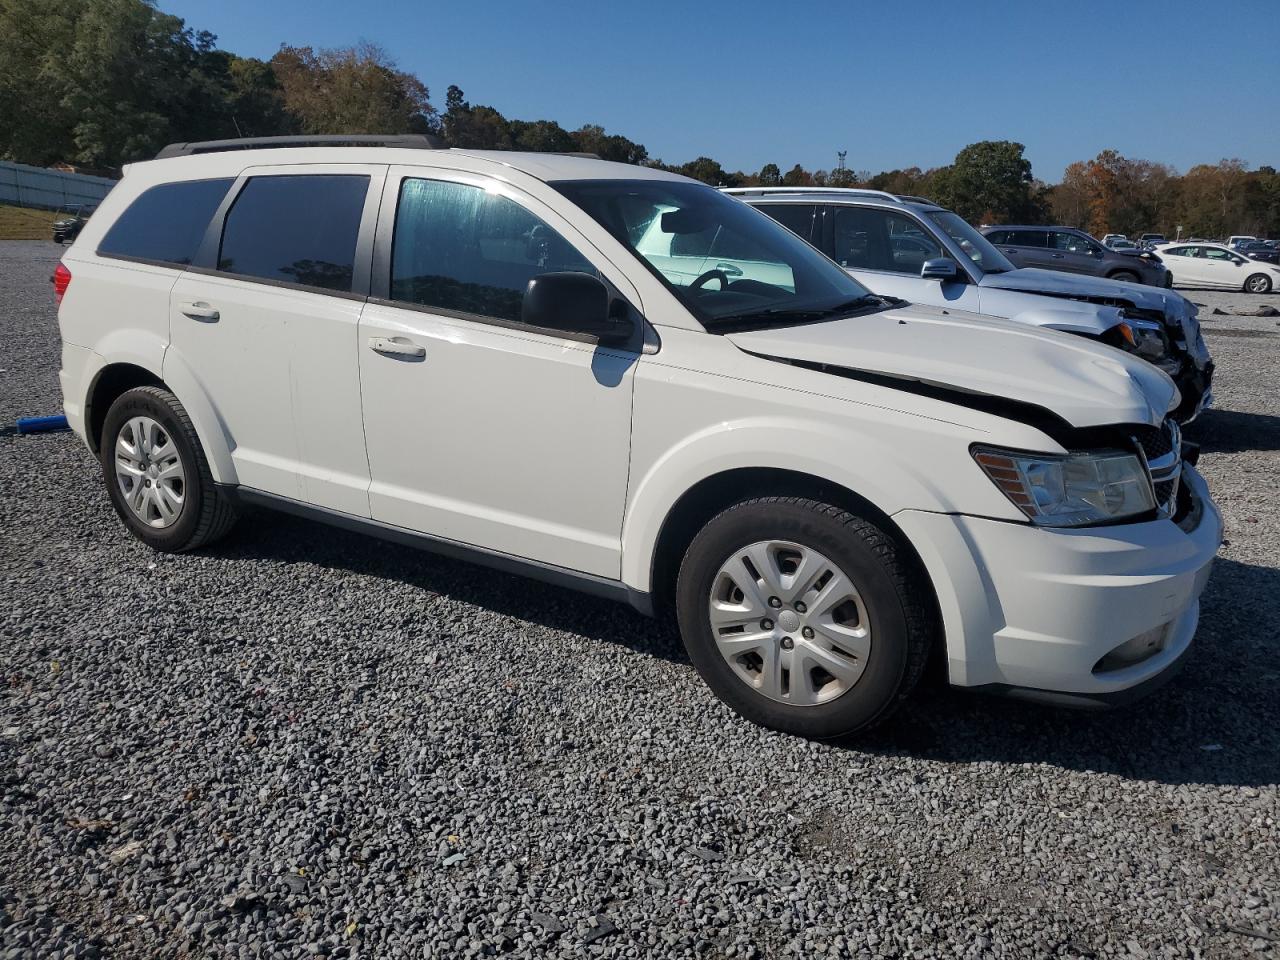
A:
{"x": 28, "y": 186}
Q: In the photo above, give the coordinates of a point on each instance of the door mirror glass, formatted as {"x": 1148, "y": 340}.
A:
{"x": 574, "y": 302}
{"x": 939, "y": 268}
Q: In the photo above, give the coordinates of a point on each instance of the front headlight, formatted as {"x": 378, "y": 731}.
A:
{"x": 1071, "y": 490}
{"x": 1146, "y": 338}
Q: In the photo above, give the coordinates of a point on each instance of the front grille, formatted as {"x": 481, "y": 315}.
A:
{"x": 1162, "y": 448}
{"x": 1156, "y": 442}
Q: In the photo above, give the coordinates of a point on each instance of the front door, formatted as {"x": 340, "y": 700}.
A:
{"x": 481, "y": 429}
{"x": 885, "y": 250}
{"x": 1221, "y": 268}
{"x": 1073, "y": 253}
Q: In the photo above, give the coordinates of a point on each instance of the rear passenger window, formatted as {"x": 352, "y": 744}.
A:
{"x": 796, "y": 217}
{"x": 1027, "y": 238}
{"x": 295, "y": 229}
{"x": 165, "y": 223}
{"x": 461, "y": 248}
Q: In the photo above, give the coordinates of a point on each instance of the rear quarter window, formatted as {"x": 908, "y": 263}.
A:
{"x": 166, "y": 223}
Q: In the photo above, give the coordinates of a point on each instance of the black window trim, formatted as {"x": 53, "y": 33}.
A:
{"x": 151, "y": 261}
{"x": 205, "y": 262}
{"x": 380, "y": 274}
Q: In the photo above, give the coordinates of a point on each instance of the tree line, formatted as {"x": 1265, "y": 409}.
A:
{"x": 101, "y": 83}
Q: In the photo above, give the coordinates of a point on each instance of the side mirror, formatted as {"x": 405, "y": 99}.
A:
{"x": 575, "y": 303}
{"x": 939, "y": 268}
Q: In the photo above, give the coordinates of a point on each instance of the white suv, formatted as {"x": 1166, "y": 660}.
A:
{"x": 623, "y": 381}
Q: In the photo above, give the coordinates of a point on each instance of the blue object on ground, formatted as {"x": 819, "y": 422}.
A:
{"x": 42, "y": 424}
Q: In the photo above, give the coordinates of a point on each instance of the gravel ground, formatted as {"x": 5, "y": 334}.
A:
{"x": 306, "y": 742}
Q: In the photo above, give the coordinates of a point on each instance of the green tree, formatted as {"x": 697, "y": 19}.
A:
{"x": 770, "y": 175}
{"x": 592, "y": 138}
{"x": 544, "y": 136}
{"x": 797, "y": 176}
{"x": 989, "y": 181}
{"x": 706, "y": 170}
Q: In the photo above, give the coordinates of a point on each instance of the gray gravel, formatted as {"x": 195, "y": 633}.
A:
{"x": 303, "y": 742}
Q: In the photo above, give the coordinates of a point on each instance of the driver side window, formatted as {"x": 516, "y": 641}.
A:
{"x": 1072, "y": 243}
{"x": 460, "y": 248}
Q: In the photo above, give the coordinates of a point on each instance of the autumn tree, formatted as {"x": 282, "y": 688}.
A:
{"x": 352, "y": 90}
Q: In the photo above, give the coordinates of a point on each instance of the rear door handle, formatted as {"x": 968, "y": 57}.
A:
{"x": 1056, "y": 256}
{"x": 199, "y": 310}
{"x": 397, "y": 347}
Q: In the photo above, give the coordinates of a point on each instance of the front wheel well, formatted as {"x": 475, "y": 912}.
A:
{"x": 110, "y": 383}
{"x": 713, "y": 494}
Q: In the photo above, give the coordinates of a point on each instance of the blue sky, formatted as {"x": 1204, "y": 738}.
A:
{"x": 895, "y": 82}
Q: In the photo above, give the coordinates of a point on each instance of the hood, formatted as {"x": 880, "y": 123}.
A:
{"x": 1082, "y": 383}
{"x": 1057, "y": 284}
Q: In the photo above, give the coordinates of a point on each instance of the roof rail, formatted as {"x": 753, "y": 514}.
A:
{"x": 412, "y": 141}
{"x": 757, "y": 191}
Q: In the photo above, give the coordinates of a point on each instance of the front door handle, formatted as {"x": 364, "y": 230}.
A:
{"x": 1056, "y": 256}
{"x": 199, "y": 310}
{"x": 397, "y": 347}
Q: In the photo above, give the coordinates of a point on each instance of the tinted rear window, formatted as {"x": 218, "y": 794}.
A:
{"x": 296, "y": 229}
{"x": 796, "y": 217}
{"x": 166, "y": 222}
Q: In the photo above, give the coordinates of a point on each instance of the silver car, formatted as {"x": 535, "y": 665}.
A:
{"x": 912, "y": 249}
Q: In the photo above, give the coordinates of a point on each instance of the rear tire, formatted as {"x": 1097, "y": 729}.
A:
{"x": 1124, "y": 276}
{"x": 1258, "y": 283}
{"x": 772, "y": 669}
{"x": 157, "y": 475}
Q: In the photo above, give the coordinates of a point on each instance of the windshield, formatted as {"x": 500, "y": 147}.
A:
{"x": 725, "y": 261}
{"x": 977, "y": 247}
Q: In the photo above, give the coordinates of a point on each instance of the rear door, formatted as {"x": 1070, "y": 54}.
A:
{"x": 267, "y": 319}
{"x": 1026, "y": 248}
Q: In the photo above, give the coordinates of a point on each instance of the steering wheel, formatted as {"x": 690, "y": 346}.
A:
{"x": 707, "y": 277}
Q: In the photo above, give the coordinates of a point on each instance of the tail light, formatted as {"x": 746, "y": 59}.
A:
{"x": 61, "y": 280}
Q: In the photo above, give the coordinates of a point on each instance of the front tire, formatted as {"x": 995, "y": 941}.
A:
{"x": 803, "y": 617}
{"x": 157, "y": 475}
{"x": 1258, "y": 283}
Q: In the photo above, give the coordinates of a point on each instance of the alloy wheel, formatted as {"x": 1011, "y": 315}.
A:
{"x": 789, "y": 622}
{"x": 149, "y": 472}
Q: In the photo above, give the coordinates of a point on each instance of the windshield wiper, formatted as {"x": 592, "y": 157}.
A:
{"x": 800, "y": 315}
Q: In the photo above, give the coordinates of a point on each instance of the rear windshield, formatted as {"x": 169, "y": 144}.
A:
{"x": 166, "y": 223}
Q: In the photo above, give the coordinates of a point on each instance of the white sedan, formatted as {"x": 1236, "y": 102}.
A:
{"x": 1213, "y": 265}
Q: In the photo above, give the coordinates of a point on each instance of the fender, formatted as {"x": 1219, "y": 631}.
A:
{"x": 1087, "y": 318}
{"x": 796, "y": 444}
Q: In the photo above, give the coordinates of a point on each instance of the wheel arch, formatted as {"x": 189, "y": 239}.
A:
{"x": 714, "y": 493}
{"x": 107, "y": 384}
{"x": 115, "y": 377}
